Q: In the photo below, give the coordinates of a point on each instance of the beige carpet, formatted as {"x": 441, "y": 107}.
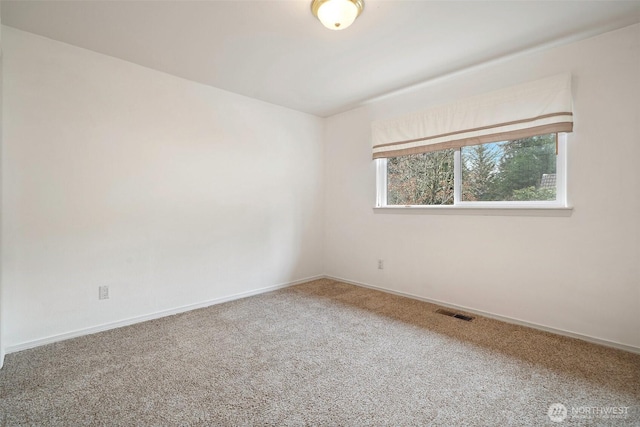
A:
{"x": 323, "y": 354}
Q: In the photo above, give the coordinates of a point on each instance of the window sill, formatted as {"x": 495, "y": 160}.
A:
{"x": 503, "y": 210}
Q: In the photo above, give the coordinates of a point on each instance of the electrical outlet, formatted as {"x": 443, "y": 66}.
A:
{"x": 103, "y": 292}
{"x": 380, "y": 264}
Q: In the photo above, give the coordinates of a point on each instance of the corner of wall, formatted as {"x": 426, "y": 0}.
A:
{"x": 323, "y": 178}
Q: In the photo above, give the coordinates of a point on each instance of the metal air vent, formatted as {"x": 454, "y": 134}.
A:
{"x": 453, "y": 314}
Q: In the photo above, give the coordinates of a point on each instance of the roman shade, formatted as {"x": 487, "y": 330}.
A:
{"x": 534, "y": 108}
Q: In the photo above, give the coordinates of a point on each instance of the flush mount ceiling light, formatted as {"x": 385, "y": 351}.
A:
{"x": 337, "y": 14}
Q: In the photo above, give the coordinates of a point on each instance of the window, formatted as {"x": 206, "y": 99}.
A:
{"x": 520, "y": 172}
{"x": 501, "y": 149}
{"x": 421, "y": 179}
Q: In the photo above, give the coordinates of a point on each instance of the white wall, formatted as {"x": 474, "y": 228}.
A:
{"x": 170, "y": 192}
{"x": 578, "y": 274}
{"x": 1, "y": 298}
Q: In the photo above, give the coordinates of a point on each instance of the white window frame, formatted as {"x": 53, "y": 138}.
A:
{"x": 559, "y": 203}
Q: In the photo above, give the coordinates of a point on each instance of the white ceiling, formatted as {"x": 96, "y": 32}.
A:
{"x": 278, "y": 52}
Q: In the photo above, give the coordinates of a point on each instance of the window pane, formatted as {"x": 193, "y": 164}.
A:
{"x": 421, "y": 179}
{"x": 518, "y": 170}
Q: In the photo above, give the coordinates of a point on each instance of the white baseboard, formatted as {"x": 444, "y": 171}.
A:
{"x": 505, "y": 319}
{"x": 126, "y": 322}
{"x": 1, "y": 357}
{"x": 151, "y": 316}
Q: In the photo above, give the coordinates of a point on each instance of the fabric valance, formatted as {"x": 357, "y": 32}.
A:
{"x": 534, "y": 108}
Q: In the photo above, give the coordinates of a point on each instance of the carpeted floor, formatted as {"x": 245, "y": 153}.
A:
{"x": 324, "y": 354}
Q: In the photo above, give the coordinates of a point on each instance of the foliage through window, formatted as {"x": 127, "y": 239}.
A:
{"x": 421, "y": 179}
{"x": 521, "y": 170}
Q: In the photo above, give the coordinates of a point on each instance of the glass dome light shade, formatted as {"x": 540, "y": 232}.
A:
{"x": 337, "y": 14}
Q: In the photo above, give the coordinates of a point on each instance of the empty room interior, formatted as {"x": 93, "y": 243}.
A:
{"x": 327, "y": 212}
